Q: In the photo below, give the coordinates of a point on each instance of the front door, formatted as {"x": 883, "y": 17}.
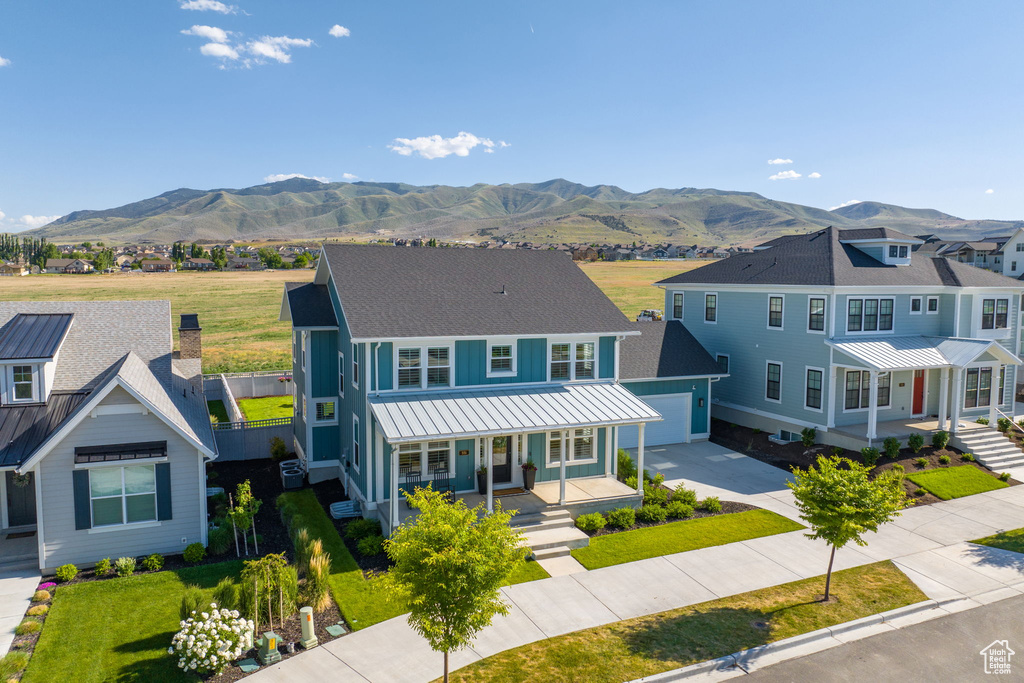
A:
{"x": 918, "y": 408}
{"x": 21, "y": 499}
{"x": 501, "y": 455}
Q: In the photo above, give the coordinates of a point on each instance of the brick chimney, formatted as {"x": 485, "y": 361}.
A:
{"x": 190, "y": 339}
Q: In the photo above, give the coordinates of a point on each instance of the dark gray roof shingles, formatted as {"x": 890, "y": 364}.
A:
{"x": 394, "y": 292}
{"x": 310, "y": 305}
{"x": 664, "y": 349}
{"x": 33, "y": 335}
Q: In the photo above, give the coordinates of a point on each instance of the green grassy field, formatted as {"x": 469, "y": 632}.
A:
{"x": 266, "y": 408}
{"x": 630, "y": 283}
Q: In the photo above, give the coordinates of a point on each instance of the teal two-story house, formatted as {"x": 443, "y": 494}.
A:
{"x": 417, "y": 364}
{"x": 844, "y": 330}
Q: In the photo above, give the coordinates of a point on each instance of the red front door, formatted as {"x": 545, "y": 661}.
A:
{"x": 918, "y": 392}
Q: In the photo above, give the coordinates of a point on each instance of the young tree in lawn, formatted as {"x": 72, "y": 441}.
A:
{"x": 841, "y": 503}
{"x": 449, "y": 564}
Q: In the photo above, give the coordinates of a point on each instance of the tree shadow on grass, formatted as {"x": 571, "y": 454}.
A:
{"x": 696, "y": 637}
{"x": 156, "y": 643}
{"x": 996, "y": 557}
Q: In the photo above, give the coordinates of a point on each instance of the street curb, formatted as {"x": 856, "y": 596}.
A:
{"x": 908, "y": 609}
{"x": 725, "y": 662}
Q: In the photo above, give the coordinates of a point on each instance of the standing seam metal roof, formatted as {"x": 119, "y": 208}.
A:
{"x": 914, "y": 351}
{"x": 34, "y": 335}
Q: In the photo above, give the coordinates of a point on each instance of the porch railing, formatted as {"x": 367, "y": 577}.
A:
{"x": 1013, "y": 424}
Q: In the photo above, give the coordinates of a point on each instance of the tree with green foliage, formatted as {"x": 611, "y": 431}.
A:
{"x": 302, "y": 260}
{"x": 270, "y": 257}
{"x": 197, "y": 251}
{"x": 87, "y": 246}
{"x": 219, "y": 256}
{"x": 449, "y": 563}
{"x": 103, "y": 260}
{"x": 242, "y": 513}
{"x": 840, "y": 502}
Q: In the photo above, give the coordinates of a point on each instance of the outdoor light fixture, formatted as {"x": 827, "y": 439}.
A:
{"x": 700, "y": 402}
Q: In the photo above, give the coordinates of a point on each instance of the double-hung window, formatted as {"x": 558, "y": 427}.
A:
{"x": 355, "y": 442}
{"x": 775, "y": 311}
{"x": 439, "y": 366}
{"x": 582, "y": 447}
{"x": 677, "y": 306}
{"x": 23, "y": 382}
{"x": 424, "y": 458}
{"x": 773, "y": 387}
{"x": 501, "y": 359}
{"x": 858, "y": 389}
{"x": 571, "y": 361}
{"x": 994, "y": 313}
{"x": 869, "y": 315}
{"x": 409, "y": 457}
{"x": 979, "y": 387}
{"x": 710, "y": 308}
{"x": 122, "y": 495}
{"x": 411, "y": 371}
{"x": 355, "y": 366}
{"x": 813, "y": 397}
{"x": 816, "y": 314}
{"x": 410, "y": 368}
{"x": 341, "y": 374}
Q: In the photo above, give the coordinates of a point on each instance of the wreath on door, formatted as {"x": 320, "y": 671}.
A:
{"x": 21, "y": 480}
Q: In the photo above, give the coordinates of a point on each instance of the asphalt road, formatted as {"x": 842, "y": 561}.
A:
{"x": 944, "y": 649}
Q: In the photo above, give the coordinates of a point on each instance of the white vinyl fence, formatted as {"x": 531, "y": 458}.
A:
{"x": 239, "y": 439}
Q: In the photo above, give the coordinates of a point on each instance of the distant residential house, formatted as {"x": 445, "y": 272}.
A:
{"x": 157, "y": 265}
{"x": 68, "y": 265}
{"x": 13, "y": 269}
{"x": 586, "y": 253}
{"x": 197, "y": 264}
{"x": 123, "y": 260}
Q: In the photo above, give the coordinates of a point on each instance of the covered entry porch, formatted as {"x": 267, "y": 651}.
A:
{"x": 567, "y": 432}
{"x": 922, "y": 384}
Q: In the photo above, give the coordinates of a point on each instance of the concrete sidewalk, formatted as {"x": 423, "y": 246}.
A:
{"x": 16, "y": 589}
{"x": 927, "y": 543}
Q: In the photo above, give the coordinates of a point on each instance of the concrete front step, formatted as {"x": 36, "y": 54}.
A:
{"x": 1003, "y": 463}
{"x": 570, "y": 537}
{"x": 555, "y": 519}
{"x": 551, "y": 553}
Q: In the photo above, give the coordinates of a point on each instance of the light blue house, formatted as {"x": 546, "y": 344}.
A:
{"x": 416, "y": 364}
{"x": 854, "y": 334}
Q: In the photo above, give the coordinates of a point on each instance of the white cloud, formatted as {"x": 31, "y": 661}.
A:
{"x": 211, "y": 33}
{"x": 814, "y": 175}
{"x": 780, "y": 161}
{"x": 349, "y": 176}
{"x": 2, "y": 215}
{"x": 5, "y": 62}
{"x": 278, "y": 177}
{"x": 275, "y": 47}
{"x": 339, "y": 31}
{"x": 849, "y": 203}
{"x": 219, "y": 50}
{"x": 990, "y": 191}
{"x": 37, "y": 221}
{"x": 207, "y": 6}
{"x": 437, "y": 147}
{"x": 784, "y": 175}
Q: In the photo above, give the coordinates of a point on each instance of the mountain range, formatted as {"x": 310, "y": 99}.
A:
{"x": 553, "y": 211}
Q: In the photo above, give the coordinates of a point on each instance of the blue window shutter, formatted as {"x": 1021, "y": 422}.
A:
{"x": 163, "y": 491}
{"x": 83, "y": 514}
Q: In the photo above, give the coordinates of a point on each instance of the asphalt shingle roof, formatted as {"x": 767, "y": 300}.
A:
{"x": 310, "y": 305}
{"x": 819, "y": 259}
{"x": 33, "y": 335}
{"x": 664, "y": 349}
{"x": 389, "y": 292}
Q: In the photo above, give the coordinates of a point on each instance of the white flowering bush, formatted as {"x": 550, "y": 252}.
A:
{"x": 209, "y": 641}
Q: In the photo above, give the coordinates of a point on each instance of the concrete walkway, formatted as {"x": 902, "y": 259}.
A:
{"x": 16, "y": 589}
{"x": 927, "y": 543}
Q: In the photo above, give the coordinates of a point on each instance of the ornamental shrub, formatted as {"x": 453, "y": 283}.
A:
{"x": 209, "y": 641}
{"x": 919, "y": 492}
{"x": 361, "y": 528}
{"x": 316, "y": 590}
{"x": 982, "y": 420}
{"x": 371, "y": 545}
{"x": 870, "y": 455}
{"x": 124, "y": 566}
{"x": 677, "y": 509}
{"x": 1003, "y": 424}
{"x": 685, "y": 495}
{"x": 278, "y": 449}
{"x": 808, "y": 435}
{"x": 837, "y": 451}
{"x": 591, "y": 522}
{"x": 1005, "y": 476}
{"x": 622, "y": 518}
{"x": 631, "y": 482}
{"x": 940, "y": 439}
{"x": 12, "y": 663}
{"x": 892, "y": 447}
{"x": 915, "y": 442}
{"x": 657, "y": 480}
{"x": 66, "y": 572}
{"x": 711, "y": 504}
{"x": 967, "y": 457}
{"x": 899, "y": 468}
{"x": 219, "y": 540}
{"x": 627, "y": 468}
{"x": 651, "y": 513}
{"x": 192, "y": 601}
{"x": 944, "y": 459}
{"x": 153, "y": 563}
{"x": 655, "y": 495}
{"x": 102, "y": 567}
{"x": 921, "y": 462}
{"x": 194, "y": 553}
{"x": 41, "y": 596}
{"x": 27, "y": 626}
{"x": 226, "y": 593}
{"x": 37, "y": 610}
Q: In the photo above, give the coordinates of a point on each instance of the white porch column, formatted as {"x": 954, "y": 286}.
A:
{"x": 393, "y": 488}
{"x": 489, "y": 455}
{"x": 958, "y": 400}
{"x": 561, "y": 467}
{"x": 943, "y": 397}
{"x": 831, "y": 396}
{"x": 609, "y": 462}
{"x": 993, "y": 396}
{"x": 872, "y": 406}
{"x": 640, "y": 459}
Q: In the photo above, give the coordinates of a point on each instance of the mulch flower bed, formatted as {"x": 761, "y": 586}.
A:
{"x": 728, "y": 507}
{"x": 27, "y": 643}
{"x": 755, "y": 444}
{"x": 332, "y": 492}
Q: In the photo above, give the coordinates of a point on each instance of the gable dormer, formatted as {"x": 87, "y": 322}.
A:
{"x": 882, "y": 244}
{"x": 29, "y": 346}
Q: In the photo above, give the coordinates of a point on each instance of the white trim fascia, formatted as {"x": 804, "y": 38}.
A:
{"x": 435, "y": 341}
{"x": 356, "y": 441}
{"x": 341, "y": 374}
{"x": 40, "y": 541}
{"x": 119, "y": 463}
{"x": 315, "y": 328}
{"x": 773, "y": 416}
{"x": 671, "y": 379}
{"x": 531, "y": 430}
{"x": 204, "y": 526}
{"x": 106, "y": 529}
{"x": 887, "y": 240}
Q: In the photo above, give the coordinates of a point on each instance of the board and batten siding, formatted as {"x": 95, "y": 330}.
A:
{"x": 62, "y": 543}
{"x": 299, "y": 387}
{"x": 698, "y": 387}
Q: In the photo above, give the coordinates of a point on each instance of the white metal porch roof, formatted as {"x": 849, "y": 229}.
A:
{"x": 456, "y": 414}
{"x": 916, "y": 352}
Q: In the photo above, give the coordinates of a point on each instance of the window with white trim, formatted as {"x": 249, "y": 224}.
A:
{"x": 775, "y": 311}
{"x": 710, "y": 308}
{"x": 677, "y": 305}
{"x": 915, "y": 305}
{"x": 355, "y": 442}
{"x": 979, "y": 387}
{"x": 122, "y": 495}
{"x": 326, "y": 412}
{"x": 582, "y": 447}
{"x": 304, "y": 341}
{"x": 23, "y": 383}
{"x": 411, "y": 371}
{"x": 341, "y": 374}
{"x": 355, "y": 366}
{"x": 812, "y": 399}
{"x": 439, "y": 366}
{"x": 994, "y": 314}
{"x": 773, "y": 382}
{"x": 858, "y": 390}
{"x": 501, "y": 358}
{"x": 816, "y": 314}
{"x": 573, "y": 360}
{"x": 869, "y": 315}
{"x": 409, "y": 368}
{"x": 424, "y": 457}
{"x": 898, "y": 251}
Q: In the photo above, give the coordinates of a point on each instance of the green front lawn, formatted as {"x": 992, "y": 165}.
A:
{"x": 1008, "y": 540}
{"x": 956, "y": 482}
{"x": 118, "y": 629}
{"x": 218, "y": 413}
{"x": 634, "y": 648}
{"x": 265, "y": 408}
{"x": 677, "y": 537}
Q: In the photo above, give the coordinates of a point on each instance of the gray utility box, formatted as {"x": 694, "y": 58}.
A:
{"x": 292, "y": 479}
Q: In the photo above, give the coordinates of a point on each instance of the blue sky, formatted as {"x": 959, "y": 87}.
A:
{"x": 913, "y": 103}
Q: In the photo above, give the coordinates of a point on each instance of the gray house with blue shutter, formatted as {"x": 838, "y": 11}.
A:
{"x": 104, "y": 433}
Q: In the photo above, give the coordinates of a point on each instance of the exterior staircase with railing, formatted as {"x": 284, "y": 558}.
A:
{"x": 991, "y": 447}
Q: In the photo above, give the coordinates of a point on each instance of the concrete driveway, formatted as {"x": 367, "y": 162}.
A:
{"x": 713, "y": 470}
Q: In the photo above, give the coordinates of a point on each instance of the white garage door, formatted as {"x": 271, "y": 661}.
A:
{"x": 674, "y": 428}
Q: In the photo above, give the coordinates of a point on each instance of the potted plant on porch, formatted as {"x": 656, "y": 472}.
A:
{"x": 529, "y": 475}
{"x": 481, "y": 481}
